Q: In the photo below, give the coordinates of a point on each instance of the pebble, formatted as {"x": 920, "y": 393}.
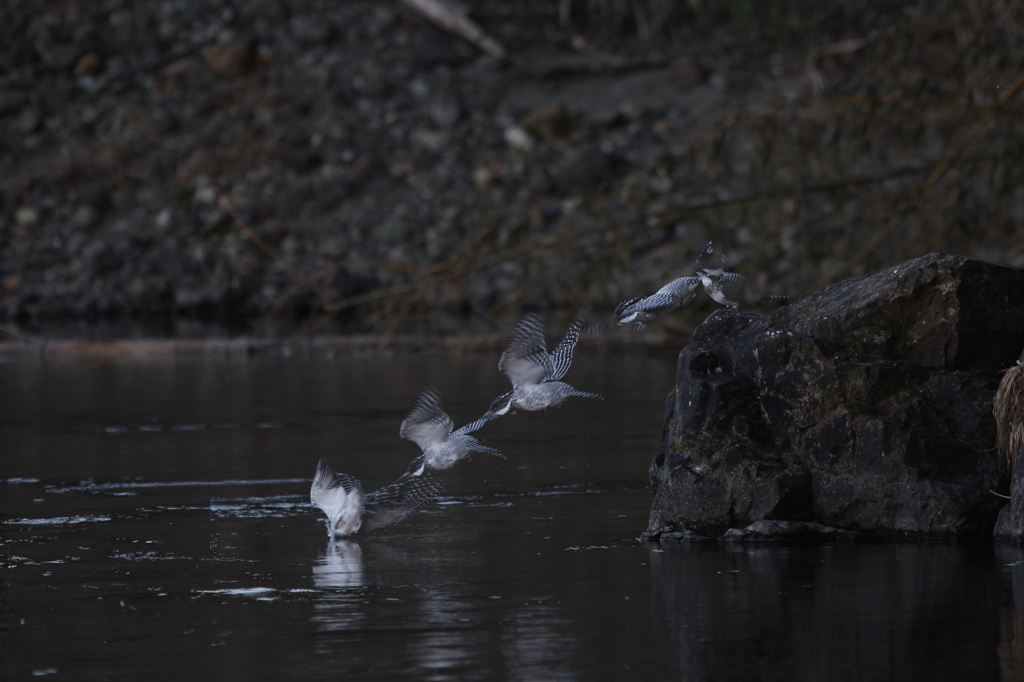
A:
{"x": 552, "y": 122}
{"x": 26, "y": 217}
{"x": 232, "y": 55}
{"x": 445, "y": 109}
{"x": 311, "y": 29}
{"x": 90, "y": 63}
{"x": 318, "y": 120}
{"x": 518, "y": 138}
{"x": 84, "y": 217}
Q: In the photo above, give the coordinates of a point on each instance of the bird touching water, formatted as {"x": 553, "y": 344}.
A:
{"x": 349, "y": 509}
{"x": 534, "y": 372}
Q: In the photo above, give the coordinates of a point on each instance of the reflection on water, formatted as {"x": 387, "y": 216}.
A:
{"x": 340, "y": 566}
{"x": 534, "y": 647}
{"x": 152, "y": 550}
{"x": 838, "y": 612}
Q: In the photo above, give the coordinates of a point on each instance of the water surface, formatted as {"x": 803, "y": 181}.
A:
{"x": 158, "y": 526}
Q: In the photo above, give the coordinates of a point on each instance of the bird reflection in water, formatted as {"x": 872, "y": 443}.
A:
{"x": 341, "y": 566}
{"x": 339, "y": 606}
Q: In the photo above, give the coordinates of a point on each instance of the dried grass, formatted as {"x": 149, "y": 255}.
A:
{"x": 1008, "y": 410}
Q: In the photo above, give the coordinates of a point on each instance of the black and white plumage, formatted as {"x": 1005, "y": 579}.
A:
{"x": 341, "y": 497}
{"x": 725, "y": 287}
{"x": 348, "y": 508}
{"x": 392, "y": 503}
{"x": 641, "y": 311}
{"x": 534, "y": 372}
{"x": 430, "y": 427}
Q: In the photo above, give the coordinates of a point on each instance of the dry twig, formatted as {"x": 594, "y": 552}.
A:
{"x": 453, "y": 19}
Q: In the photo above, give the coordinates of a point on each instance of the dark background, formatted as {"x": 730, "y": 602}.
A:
{"x": 297, "y": 165}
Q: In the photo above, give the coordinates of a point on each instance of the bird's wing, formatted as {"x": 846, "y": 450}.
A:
{"x": 394, "y": 502}
{"x": 706, "y": 252}
{"x": 561, "y": 357}
{"x": 331, "y": 490}
{"x": 678, "y": 292}
{"x": 427, "y": 423}
{"x": 525, "y": 360}
{"x": 622, "y": 308}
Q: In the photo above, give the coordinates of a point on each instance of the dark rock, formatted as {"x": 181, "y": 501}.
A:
{"x": 231, "y": 55}
{"x": 552, "y": 122}
{"x": 675, "y": 536}
{"x": 54, "y": 53}
{"x": 581, "y": 170}
{"x": 311, "y": 29}
{"x": 305, "y": 160}
{"x": 865, "y": 406}
{"x": 785, "y": 531}
{"x": 28, "y": 121}
{"x": 433, "y": 47}
{"x": 11, "y": 101}
{"x": 90, "y": 63}
{"x": 687, "y": 71}
{"x": 445, "y": 109}
{"x": 1010, "y": 524}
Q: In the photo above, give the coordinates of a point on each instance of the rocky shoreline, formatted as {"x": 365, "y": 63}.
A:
{"x": 353, "y": 168}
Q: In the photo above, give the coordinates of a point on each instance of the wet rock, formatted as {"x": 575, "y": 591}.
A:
{"x": 1010, "y": 524}
{"x": 676, "y": 536}
{"x": 865, "y": 406}
{"x": 786, "y": 531}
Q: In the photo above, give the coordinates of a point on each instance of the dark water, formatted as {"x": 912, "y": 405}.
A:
{"x": 158, "y": 526}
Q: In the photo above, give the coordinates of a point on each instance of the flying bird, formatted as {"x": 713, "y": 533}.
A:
{"x": 643, "y": 310}
{"x": 534, "y": 372}
{"x": 430, "y": 427}
{"x": 725, "y": 287}
{"x": 348, "y": 508}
